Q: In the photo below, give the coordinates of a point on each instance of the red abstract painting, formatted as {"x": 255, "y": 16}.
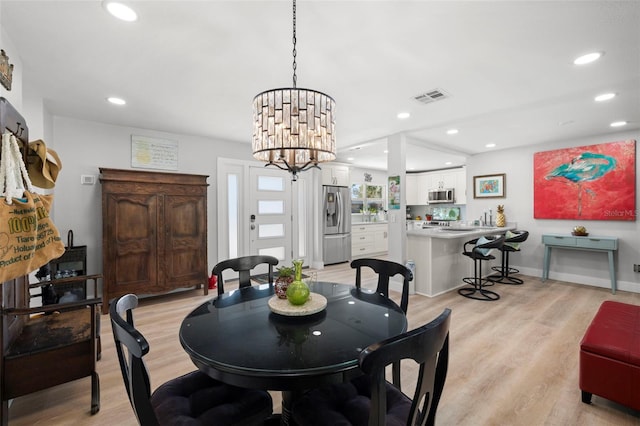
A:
{"x": 595, "y": 182}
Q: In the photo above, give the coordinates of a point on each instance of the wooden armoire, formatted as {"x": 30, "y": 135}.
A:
{"x": 154, "y": 232}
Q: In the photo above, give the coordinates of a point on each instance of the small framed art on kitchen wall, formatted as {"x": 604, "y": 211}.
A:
{"x": 490, "y": 186}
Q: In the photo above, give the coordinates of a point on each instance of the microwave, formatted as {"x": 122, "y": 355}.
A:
{"x": 441, "y": 195}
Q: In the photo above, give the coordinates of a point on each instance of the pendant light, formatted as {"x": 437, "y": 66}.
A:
{"x": 294, "y": 128}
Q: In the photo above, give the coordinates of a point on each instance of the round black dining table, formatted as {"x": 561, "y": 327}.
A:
{"x": 237, "y": 339}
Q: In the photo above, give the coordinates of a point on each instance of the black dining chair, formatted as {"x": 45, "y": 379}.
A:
{"x": 370, "y": 400}
{"x": 243, "y": 265}
{"x": 385, "y": 270}
{"x": 512, "y": 242}
{"x": 479, "y": 250}
{"x": 191, "y": 399}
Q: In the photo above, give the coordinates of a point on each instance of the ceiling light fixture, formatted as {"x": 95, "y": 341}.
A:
{"x": 120, "y": 11}
{"x": 294, "y": 129}
{"x": 490, "y": 145}
{"x": 403, "y": 115}
{"x": 604, "y": 97}
{"x": 116, "y": 101}
{"x": 618, "y": 124}
{"x": 452, "y": 131}
{"x": 588, "y": 58}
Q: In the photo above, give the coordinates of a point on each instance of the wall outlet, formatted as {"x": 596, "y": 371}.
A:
{"x": 636, "y": 267}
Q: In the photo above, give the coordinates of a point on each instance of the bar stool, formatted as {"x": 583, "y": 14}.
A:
{"x": 479, "y": 252}
{"x": 511, "y": 244}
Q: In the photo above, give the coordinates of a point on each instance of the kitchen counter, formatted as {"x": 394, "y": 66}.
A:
{"x": 370, "y": 223}
{"x": 437, "y": 253}
{"x": 449, "y": 232}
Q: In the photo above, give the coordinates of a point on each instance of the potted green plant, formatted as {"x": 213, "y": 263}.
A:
{"x": 285, "y": 277}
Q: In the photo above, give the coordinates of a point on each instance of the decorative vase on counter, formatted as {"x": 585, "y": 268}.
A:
{"x": 501, "y": 221}
{"x": 298, "y": 291}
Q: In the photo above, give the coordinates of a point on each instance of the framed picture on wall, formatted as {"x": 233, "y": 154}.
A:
{"x": 591, "y": 182}
{"x": 490, "y": 186}
{"x": 394, "y": 192}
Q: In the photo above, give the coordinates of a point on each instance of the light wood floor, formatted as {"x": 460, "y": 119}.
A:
{"x": 513, "y": 361}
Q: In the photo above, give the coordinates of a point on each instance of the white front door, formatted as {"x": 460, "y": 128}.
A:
{"x": 269, "y": 214}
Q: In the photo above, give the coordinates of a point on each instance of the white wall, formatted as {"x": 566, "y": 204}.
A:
{"x": 86, "y": 146}
{"x": 14, "y": 96}
{"x": 569, "y": 265}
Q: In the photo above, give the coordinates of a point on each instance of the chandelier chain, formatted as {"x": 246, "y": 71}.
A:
{"x": 295, "y": 65}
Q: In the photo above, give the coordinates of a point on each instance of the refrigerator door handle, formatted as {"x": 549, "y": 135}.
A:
{"x": 339, "y": 199}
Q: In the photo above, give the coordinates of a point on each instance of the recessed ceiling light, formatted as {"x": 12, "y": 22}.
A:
{"x": 618, "y": 124}
{"x": 403, "y": 115}
{"x": 452, "y": 131}
{"x": 120, "y": 11}
{"x": 350, "y": 158}
{"x": 386, "y": 151}
{"x": 588, "y": 58}
{"x": 116, "y": 101}
{"x": 604, "y": 97}
{"x": 448, "y": 163}
{"x": 490, "y": 145}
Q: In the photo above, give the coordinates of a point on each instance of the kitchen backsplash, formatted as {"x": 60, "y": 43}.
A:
{"x": 442, "y": 212}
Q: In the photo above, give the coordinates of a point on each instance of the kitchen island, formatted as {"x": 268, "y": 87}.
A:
{"x": 437, "y": 253}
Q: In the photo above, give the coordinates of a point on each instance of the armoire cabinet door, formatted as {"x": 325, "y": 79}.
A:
{"x": 132, "y": 247}
{"x": 185, "y": 222}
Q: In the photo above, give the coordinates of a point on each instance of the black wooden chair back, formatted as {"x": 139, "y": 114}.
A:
{"x": 385, "y": 269}
{"x": 243, "y": 265}
{"x": 370, "y": 399}
{"x": 429, "y": 347}
{"x": 131, "y": 346}
{"x": 193, "y": 398}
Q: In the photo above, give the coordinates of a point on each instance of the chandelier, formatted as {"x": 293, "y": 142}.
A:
{"x": 293, "y": 128}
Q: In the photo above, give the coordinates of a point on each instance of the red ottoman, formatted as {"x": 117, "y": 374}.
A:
{"x": 610, "y": 355}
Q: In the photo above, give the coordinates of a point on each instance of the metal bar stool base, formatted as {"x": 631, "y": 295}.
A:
{"x": 505, "y": 278}
{"x": 478, "y": 292}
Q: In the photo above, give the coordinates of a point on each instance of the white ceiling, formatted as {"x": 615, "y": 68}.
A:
{"x": 193, "y": 67}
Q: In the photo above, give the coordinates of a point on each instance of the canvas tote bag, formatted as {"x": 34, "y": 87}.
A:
{"x": 28, "y": 236}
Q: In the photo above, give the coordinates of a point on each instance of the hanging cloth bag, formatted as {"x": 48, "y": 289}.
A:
{"x": 28, "y": 236}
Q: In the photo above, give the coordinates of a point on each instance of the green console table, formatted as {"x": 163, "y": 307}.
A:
{"x": 604, "y": 244}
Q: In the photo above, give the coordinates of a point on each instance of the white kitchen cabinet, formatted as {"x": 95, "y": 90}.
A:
{"x": 381, "y": 239}
{"x": 453, "y": 178}
{"x": 368, "y": 239}
{"x": 335, "y": 175}
{"x": 442, "y": 180}
{"x": 417, "y": 188}
{"x": 461, "y": 186}
{"x": 411, "y": 189}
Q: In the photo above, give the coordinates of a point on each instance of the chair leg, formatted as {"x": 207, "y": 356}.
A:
{"x": 95, "y": 393}
{"x": 4, "y": 412}
{"x": 501, "y": 270}
{"x": 478, "y": 292}
{"x": 505, "y": 272}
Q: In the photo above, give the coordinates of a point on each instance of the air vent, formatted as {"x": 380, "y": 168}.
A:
{"x": 431, "y": 96}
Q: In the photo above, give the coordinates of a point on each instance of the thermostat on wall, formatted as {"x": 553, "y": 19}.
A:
{"x": 87, "y": 180}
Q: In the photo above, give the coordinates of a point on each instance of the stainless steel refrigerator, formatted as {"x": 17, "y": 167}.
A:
{"x": 336, "y": 214}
